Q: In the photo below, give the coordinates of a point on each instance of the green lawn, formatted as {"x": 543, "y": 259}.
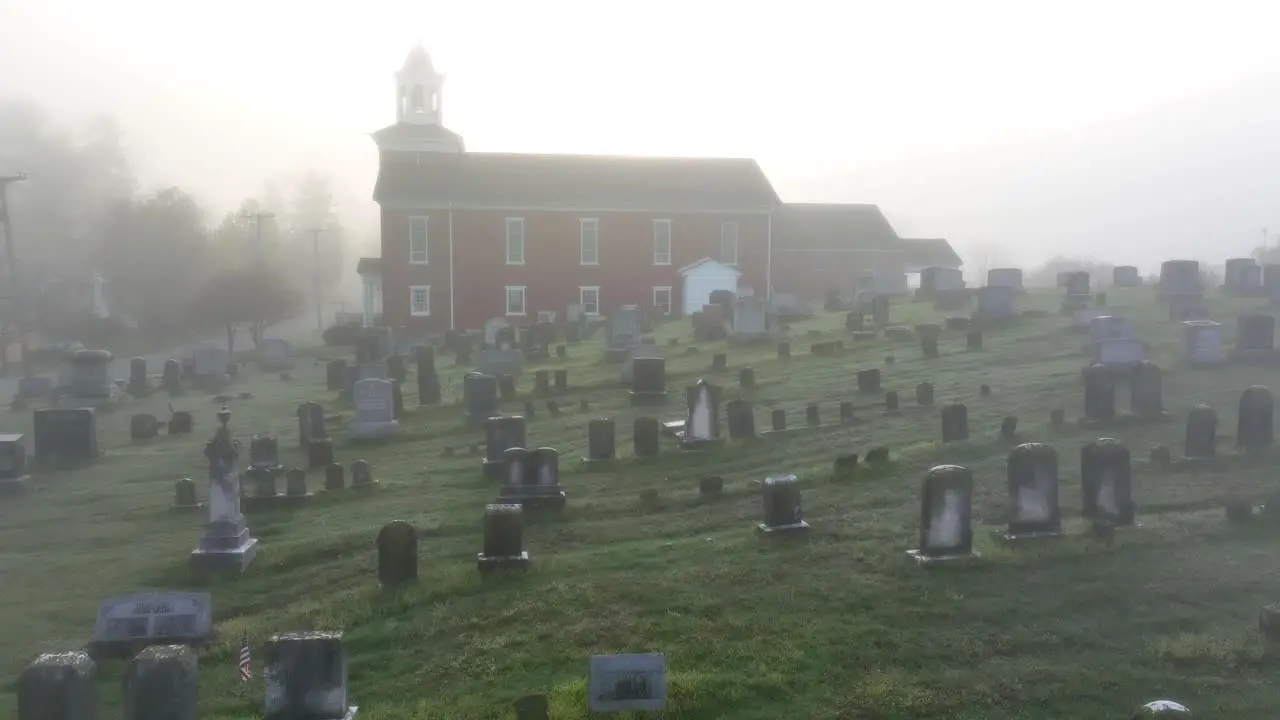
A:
{"x": 840, "y": 625}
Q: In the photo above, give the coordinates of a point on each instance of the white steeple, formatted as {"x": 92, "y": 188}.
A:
{"x": 419, "y": 96}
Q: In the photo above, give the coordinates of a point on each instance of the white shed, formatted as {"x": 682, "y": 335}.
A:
{"x": 704, "y": 277}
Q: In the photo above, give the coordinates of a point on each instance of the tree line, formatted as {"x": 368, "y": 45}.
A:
{"x": 168, "y": 267}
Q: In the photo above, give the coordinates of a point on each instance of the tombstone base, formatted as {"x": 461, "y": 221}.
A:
{"x": 799, "y": 528}
{"x": 616, "y": 355}
{"x": 552, "y": 501}
{"x": 15, "y": 485}
{"x": 224, "y": 560}
{"x": 695, "y": 445}
{"x": 922, "y": 559}
{"x": 648, "y": 398}
{"x": 372, "y": 430}
{"x": 267, "y": 502}
{"x": 186, "y": 508}
{"x": 1010, "y": 536}
{"x": 498, "y": 563}
{"x": 1254, "y": 357}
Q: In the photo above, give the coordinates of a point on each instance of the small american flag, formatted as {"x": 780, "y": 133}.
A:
{"x": 246, "y": 665}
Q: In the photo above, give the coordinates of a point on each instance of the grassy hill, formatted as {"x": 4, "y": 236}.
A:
{"x": 840, "y": 625}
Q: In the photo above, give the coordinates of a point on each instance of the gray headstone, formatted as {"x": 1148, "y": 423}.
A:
{"x": 276, "y": 354}
{"x": 1119, "y": 353}
{"x": 375, "y": 410}
{"x": 65, "y": 435}
{"x": 161, "y": 684}
{"x": 496, "y": 362}
{"x": 305, "y": 677}
{"x": 998, "y": 301}
{"x": 1203, "y": 342}
{"x": 637, "y": 351}
{"x": 750, "y": 318}
{"x": 1005, "y": 277}
{"x": 491, "y": 328}
{"x": 58, "y": 686}
{"x": 156, "y": 618}
{"x": 627, "y": 683}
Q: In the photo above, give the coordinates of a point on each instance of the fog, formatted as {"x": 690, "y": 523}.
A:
{"x": 1129, "y": 132}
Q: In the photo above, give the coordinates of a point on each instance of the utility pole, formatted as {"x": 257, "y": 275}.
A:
{"x": 315, "y": 279}
{"x": 257, "y": 218}
{"x": 11, "y": 256}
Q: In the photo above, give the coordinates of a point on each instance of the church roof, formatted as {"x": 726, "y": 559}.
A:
{"x": 930, "y": 252}
{"x": 418, "y": 61}
{"x": 832, "y": 226}
{"x": 411, "y": 132}
{"x": 596, "y": 182}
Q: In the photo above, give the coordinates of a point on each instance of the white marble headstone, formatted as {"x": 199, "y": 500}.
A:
{"x": 627, "y": 683}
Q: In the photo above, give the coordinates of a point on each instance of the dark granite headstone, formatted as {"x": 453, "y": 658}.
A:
{"x": 746, "y": 378}
{"x": 946, "y": 500}
{"x": 335, "y": 374}
{"x": 782, "y": 513}
{"x": 561, "y": 380}
{"x": 503, "y": 538}
{"x": 184, "y": 495}
{"x": 1202, "y": 432}
{"x": 320, "y": 452}
{"x": 1033, "y": 491}
{"x": 295, "y": 483}
{"x": 65, "y": 435}
{"x": 58, "y": 686}
{"x": 891, "y": 401}
{"x": 1009, "y": 428}
{"x": 741, "y": 418}
{"x": 924, "y": 394}
{"x": 601, "y": 441}
{"x": 181, "y": 422}
{"x": 812, "y": 415}
{"x": 361, "y": 474}
{"x": 1099, "y": 393}
{"x": 501, "y": 433}
{"x": 480, "y": 396}
{"x": 955, "y": 423}
{"x": 161, "y": 684}
{"x": 1256, "y": 413}
{"x": 1105, "y": 473}
{"x": 778, "y": 420}
{"x": 305, "y": 677}
{"x": 1146, "y": 390}
{"x": 648, "y": 380}
{"x": 143, "y": 426}
{"x": 846, "y": 412}
{"x": 335, "y": 477}
{"x": 397, "y": 554}
{"x": 646, "y": 433}
{"x": 869, "y": 381}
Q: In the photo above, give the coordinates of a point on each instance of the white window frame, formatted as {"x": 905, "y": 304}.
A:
{"x": 413, "y": 311}
{"x": 515, "y": 223}
{"x": 594, "y": 225}
{"x": 582, "y": 299}
{"x": 414, "y": 259}
{"x": 670, "y": 297}
{"x": 524, "y": 300}
{"x": 725, "y": 235}
{"x": 661, "y": 258}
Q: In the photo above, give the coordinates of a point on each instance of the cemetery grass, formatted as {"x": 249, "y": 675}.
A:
{"x": 840, "y": 624}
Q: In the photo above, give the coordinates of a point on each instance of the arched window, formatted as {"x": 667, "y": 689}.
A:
{"x": 417, "y": 100}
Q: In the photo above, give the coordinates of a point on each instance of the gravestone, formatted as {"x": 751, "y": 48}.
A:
{"x": 741, "y": 418}
{"x": 1009, "y": 428}
{"x": 184, "y": 496}
{"x": 310, "y": 423}
{"x": 1119, "y": 354}
{"x": 924, "y": 394}
{"x": 627, "y": 683}
{"x": 710, "y": 486}
{"x": 500, "y": 433}
{"x": 362, "y": 475}
{"x": 702, "y": 420}
{"x": 880, "y": 310}
{"x": 869, "y": 381}
{"x": 143, "y": 426}
{"x": 812, "y": 415}
{"x": 1251, "y": 281}
{"x": 1255, "y": 338}
{"x": 161, "y": 684}
{"x": 649, "y": 381}
{"x": 1005, "y": 277}
{"x": 645, "y": 437}
{"x": 1105, "y": 473}
{"x": 428, "y": 380}
{"x": 305, "y": 677}
{"x": 623, "y": 331}
{"x": 210, "y": 365}
{"x": 1033, "y": 492}
{"x": 335, "y": 374}
{"x": 498, "y": 362}
{"x": 746, "y": 378}
{"x": 973, "y": 340}
{"x": 1078, "y": 291}
{"x": 129, "y": 623}
{"x": 627, "y": 373}
{"x": 1201, "y": 439}
{"x": 89, "y": 380}
{"x": 542, "y": 382}
{"x": 58, "y": 686}
{"x": 601, "y": 441}
{"x": 1254, "y": 426}
{"x": 891, "y": 401}
{"x": 319, "y": 452}
{"x": 955, "y": 423}
{"x": 275, "y": 354}
{"x": 778, "y": 420}
{"x": 491, "y": 328}
{"x": 531, "y": 707}
{"x": 846, "y": 412}
{"x": 1110, "y": 327}
{"x": 139, "y": 383}
{"x": 1099, "y": 394}
{"x": 750, "y": 319}
{"x": 1202, "y": 343}
{"x": 782, "y": 514}
{"x": 503, "y": 539}
{"x": 1126, "y": 276}
{"x": 1180, "y": 277}
{"x": 35, "y": 386}
{"x": 335, "y": 477}
{"x": 295, "y": 484}
{"x": 225, "y": 543}
{"x": 396, "y": 369}
{"x": 946, "y": 499}
{"x": 397, "y": 554}
{"x": 480, "y": 396}
{"x": 929, "y": 346}
{"x": 1234, "y": 272}
{"x": 561, "y": 380}
{"x": 180, "y": 422}
{"x": 65, "y": 435}
{"x": 264, "y": 452}
{"x": 997, "y": 302}
{"x": 1186, "y": 306}
{"x": 532, "y": 479}
{"x": 375, "y": 410}
{"x": 1146, "y": 390}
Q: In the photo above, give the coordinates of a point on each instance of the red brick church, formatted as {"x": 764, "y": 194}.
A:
{"x": 468, "y": 236}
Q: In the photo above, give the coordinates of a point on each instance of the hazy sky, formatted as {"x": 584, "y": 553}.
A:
{"x": 829, "y": 96}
